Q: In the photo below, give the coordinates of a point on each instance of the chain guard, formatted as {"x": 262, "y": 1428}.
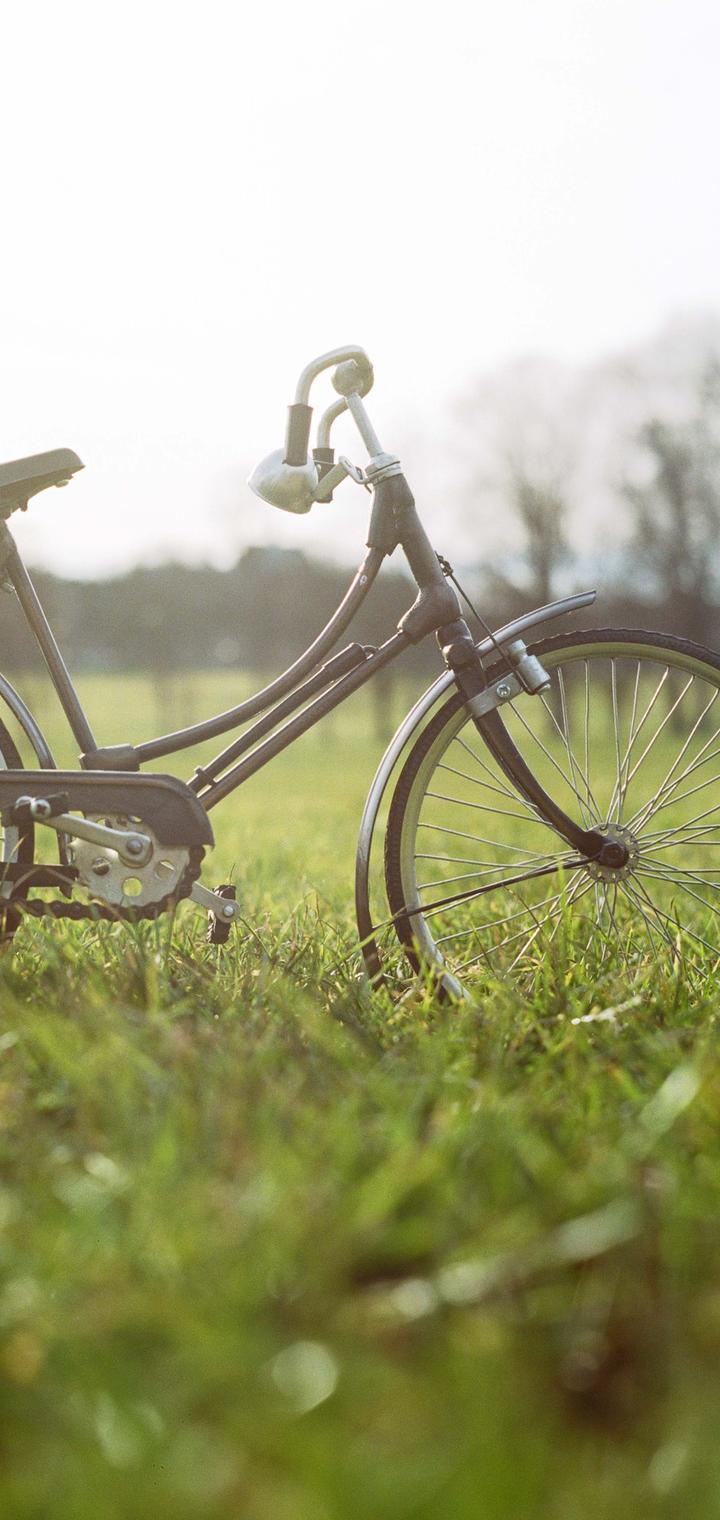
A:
{"x": 177, "y": 825}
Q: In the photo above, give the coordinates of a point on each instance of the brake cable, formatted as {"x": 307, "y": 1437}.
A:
{"x": 449, "y": 573}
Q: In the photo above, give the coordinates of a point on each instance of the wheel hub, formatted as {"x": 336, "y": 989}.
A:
{"x": 618, "y": 857}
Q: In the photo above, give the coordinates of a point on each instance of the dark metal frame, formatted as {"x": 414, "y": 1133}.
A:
{"x": 317, "y": 691}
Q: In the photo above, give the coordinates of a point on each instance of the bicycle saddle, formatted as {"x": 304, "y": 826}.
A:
{"x": 22, "y": 478}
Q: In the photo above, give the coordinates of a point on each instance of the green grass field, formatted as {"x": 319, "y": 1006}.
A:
{"x": 275, "y": 1248}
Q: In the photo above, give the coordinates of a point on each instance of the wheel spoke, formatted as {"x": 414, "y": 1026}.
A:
{"x": 697, "y": 839}
{"x": 654, "y": 803}
{"x": 500, "y": 791}
{"x": 529, "y": 730}
{"x": 440, "y": 905}
{"x": 674, "y": 799}
{"x": 511, "y": 939}
{"x": 589, "y": 807}
{"x": 482, "y": 807}
{"x": 530, "y": 941}
{"x": 680, "y": 884}
{"x": 659, "y": 730}
{"x": 681, "y": 928}
{"x": 659, "y": 927}
{"x": 499, "y": 923}
{"x": 620, "y": 790}
{"x": 586, "y": 719}
{"x": 573, "y": 895}
{"x": 616, "y": 734}
{"x": 620, "y": 937}
{"x": 507, "y": 791}
{"x": 462, "y": 860}
{"x": 634, "y": 736}
{"x": 698, "y": 873}
{"x": 689, "y": 828}
{"x": 701, "y": 758}
{"x": 440, "y": 828}
{"x": 491, "y": 868}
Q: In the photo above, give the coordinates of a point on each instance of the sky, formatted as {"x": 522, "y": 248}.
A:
{"x": 198, "y": 199}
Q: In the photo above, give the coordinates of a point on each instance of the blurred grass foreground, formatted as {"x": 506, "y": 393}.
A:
{"x": 275, "y": 1248}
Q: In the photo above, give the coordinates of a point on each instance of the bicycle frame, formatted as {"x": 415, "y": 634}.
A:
{"x": 331, "y": 684}
{"x": 287, "y": 478}
{"x": 322, "y": 689}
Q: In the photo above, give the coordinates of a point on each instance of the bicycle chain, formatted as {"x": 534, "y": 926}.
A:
{"x": 77, "y": 911}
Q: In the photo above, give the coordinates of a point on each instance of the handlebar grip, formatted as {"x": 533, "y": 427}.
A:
{"x": 297, "y": 433}
{"x": 352, "y": 376}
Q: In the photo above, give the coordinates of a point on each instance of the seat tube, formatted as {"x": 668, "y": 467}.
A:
{"x": 40, "y": 627}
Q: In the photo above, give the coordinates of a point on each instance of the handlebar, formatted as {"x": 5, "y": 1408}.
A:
{"x": 353, "y": 377}
{"x": 289, "y": 478}
{"x": 325, "y": 361}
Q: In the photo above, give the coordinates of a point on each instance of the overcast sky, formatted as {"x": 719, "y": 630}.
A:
{"x": 198, "y": 198}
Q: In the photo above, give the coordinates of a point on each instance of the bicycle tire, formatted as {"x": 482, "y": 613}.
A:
{"x": 653, "y": 914}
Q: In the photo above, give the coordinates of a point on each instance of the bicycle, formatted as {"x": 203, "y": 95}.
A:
{"x": 551, "y": 804}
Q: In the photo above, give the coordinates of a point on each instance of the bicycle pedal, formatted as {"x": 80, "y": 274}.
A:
{"x": 222, "y": 909}
{"x": 219, "y": 926}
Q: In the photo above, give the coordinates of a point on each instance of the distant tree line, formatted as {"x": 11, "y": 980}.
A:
{"x": 260, "y": 614}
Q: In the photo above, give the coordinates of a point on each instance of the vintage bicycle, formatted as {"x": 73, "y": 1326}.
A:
{"x": 551, "y": 802}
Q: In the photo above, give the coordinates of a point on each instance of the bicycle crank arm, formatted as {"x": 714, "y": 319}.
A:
{"x": 223, "y": 907}
{"x": 132, "y": 847}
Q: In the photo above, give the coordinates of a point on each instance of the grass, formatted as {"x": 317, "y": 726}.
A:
{"x": 276, "y": 1248}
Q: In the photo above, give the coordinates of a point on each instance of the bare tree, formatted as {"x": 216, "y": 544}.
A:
{"x": 538, "y": 505}
{"x": 675, "y": 537}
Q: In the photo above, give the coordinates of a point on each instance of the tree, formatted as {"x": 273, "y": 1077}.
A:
{"x": 539, "y": 506}
{"x": 676, "y": 514}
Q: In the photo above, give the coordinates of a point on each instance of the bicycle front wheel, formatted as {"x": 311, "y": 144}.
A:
{"x": 627, "y": 738}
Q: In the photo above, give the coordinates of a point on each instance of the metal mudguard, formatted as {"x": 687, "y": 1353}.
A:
{"x": 164, "y": 803}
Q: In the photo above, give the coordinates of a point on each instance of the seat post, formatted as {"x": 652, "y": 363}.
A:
{"x": 15, "y": 570}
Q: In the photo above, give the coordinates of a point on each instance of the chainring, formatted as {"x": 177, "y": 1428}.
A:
{"x": 105, "y": 876}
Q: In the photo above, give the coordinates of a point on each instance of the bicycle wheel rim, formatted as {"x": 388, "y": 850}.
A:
{"x": 660, "y": 915}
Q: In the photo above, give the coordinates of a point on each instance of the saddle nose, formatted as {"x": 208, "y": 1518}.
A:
{"x": 22, "y": 478}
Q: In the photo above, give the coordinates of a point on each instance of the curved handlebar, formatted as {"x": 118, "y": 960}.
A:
{"x": 354, "y": 372}
{"x": 334, "y": 356}
{"x": 326, "y": 421}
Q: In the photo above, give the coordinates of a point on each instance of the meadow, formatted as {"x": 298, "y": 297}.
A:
{"x": 276, "y": 1247}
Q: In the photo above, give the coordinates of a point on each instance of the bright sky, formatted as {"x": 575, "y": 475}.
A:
{"x": 197, "y": 199}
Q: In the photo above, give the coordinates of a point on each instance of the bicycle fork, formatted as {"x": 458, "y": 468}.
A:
{"x": 525, "y": 673}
